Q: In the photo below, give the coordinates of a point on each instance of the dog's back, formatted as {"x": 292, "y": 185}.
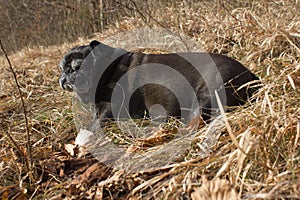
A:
{"x": 205, "y": 72}
{"x": 180, "y": 82}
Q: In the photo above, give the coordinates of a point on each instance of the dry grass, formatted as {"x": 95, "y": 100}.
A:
{"x": 265, "y": 36}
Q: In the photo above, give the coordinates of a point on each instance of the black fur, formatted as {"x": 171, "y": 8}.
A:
{"x": 82, "y": 66}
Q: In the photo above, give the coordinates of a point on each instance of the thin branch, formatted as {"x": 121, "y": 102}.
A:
{"x": 29, "y": 164}
{"x": 137, "y": 9}
{"x": 16, "y": 145}
{"x": 144, "y": 18}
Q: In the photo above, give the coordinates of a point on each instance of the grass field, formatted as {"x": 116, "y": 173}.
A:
{"x": 257, "y": 156}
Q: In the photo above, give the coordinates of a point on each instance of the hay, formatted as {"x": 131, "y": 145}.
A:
{"x": 265, "y": 35}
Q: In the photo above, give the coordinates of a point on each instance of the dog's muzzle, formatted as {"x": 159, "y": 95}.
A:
{"x": 64, "y": 84}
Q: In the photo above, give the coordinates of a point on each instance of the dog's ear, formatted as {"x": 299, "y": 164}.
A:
{"x": 94, "y": 43}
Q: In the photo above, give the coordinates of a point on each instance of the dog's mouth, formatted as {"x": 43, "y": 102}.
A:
{"x": 75, "y": 83}
{"x": 67, "y": 86}
{"x": 66, "y": 81}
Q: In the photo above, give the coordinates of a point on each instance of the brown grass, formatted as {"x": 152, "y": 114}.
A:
{"x": 264, "y": 36}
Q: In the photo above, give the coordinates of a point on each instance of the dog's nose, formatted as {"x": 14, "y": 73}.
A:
{"x": 65, "y": 84}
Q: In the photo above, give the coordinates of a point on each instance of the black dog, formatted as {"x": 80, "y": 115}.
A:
{"x": 127, "y": 84}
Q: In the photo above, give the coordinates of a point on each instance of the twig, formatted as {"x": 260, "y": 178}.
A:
{"x": 144, "y": 18}
{"x": 28, "y": 161}
{"x": 138, "y": 10}
{"x": 235, "y": 142}
{"x": 16, "y": 144}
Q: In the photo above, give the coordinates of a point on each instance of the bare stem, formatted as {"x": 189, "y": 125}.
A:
{"x": 27, "y": 160}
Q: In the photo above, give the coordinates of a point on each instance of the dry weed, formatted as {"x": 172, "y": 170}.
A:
{"x": 263, "y": 164}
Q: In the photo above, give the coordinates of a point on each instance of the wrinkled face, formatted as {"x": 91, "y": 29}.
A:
{"x": 77, "y": 73}
{"x": 70, "y": 66}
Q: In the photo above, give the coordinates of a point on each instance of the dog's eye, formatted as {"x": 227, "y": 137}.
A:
{"x": 76, "y": 63}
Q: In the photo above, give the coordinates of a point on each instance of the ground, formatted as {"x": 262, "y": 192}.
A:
{"x": 256, "y": 156}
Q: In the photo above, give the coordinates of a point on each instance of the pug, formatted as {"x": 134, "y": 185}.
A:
{"x": 123, "y": 84}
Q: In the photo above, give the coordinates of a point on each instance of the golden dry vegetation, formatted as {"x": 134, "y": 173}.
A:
{"x": 257, "y": 156}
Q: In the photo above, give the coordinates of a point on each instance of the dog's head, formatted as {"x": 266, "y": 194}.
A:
{"x": 70, "y": 66}
{"x": 84, "y": 68}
